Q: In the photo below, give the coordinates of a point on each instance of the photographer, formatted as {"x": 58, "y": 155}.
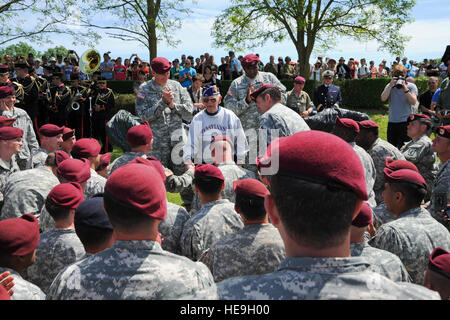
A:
{"x": 402, "y": 96}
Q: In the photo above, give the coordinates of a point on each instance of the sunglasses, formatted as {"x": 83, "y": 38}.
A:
{"x": 206, "y": 99}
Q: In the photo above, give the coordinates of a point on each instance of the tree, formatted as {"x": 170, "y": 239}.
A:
{"x": 53, "y": 52}
{"x": 309, "y": 23}
{"x": 19, "y": 49}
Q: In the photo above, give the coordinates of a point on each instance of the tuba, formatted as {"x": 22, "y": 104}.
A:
{"x": 90, "y": 61}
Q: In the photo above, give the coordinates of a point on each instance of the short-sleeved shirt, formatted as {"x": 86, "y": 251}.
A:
{"x": 425, "y": 100}
{"x": 399, "y": 106}
{"x": 235, "y": 62}
{"x": 187, "y": 83}
{"x": 120, "y": 72}
{"x": 108, "y": 74}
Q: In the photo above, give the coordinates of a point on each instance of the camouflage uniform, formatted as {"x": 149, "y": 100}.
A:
{"x": 134, "y": 270}
{"x": 256, "y": 249}
{"x": 321, "y": 278}
{"x": 283, "y": 119}
{"x": 299, "y": 104}
{"x": 6, "y": 169}
{"x": 164, "y": 121}
{"x": 123, "y": 160}
{"x": 382, "y": 262}
{"x": 23, "y": 290}
{"x": 23, "y": 194}
{"x": 412, "y": 237}
{"x": 381, "y": 215}
{"x": 38, "y": 157}
{"x": 172, "y": 227}
{"x": 370, "y": 172}
{"x": 214, "y": 220}
{"x": 57, "y": 249}
{"x": 379, "y": 151}
{"x": 439, "y": 195}
{"x": 46, "y": 222}
{"x": 177, "y": 184}
{"x": 30, "y": 143}
{"x": 95, "y": 185}
{"x": 419, "y": 152}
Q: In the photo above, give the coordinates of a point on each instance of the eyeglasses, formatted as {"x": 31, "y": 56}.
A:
{"x": 206, "y": 99}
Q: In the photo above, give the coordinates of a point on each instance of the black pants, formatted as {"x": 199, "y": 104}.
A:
{"x": 99, "y": 132}
{"x": 397, "y": 134}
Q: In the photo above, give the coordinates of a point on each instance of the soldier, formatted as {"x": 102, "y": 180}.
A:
{"x": 439, "y": 195}
{"x": 7, "y": 82}
{"x": 23, "y": 122}
{"x": 306, "y": 187}
{"x": 288, "y": 70}
{"x": 383, "y": 262}
{"x": 403, "y": 194}
{"x": 437, "y": 276}
{"x": 22, "y": 193}
{"x": 257, "y": 248}
{"x": 78, "y": 94}
{"x": 60, "y": 246}
{"x": 327, "y": 95}
{"x": 43, "y": 98}
{"x": 299, "y": 100}
{"x": 379, "y": 150}
{"x": 18, "y": 241}
{"x": 51, "y": 139}
{"x": 89, "y": 149}
{"x": 210, "y": 122}
{"x": 276, "y": 117}
{"x": 103, "y": 167}
{"x": 60, "y": 99}
{"x": 135, "y": 267}
{"x": 348, "y": 130}
{"x": 164, "y": 104}
{"x": 214, "y": 220}
{"x": 68, "y": 140}
{"x": 103, "y": 102}
{"x": 418, "y": 150}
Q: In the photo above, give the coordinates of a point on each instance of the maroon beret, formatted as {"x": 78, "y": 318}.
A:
{"x": 151, "y": 161}
{"x": 439, "y": 262}
{"x": 208, "y": 170}
{"x": 256, "y": 93}
{"x": 6, "y": 122}
{"x": 405, "y": 175}
{"x": 160, "y": 65}
{"x": 421, "y": 117}
{"x": 250, "y": 60}
{"x": 140, "y": 186}
{"x": 87, "y": 147}
{"x": 60, "y": 156}
{"x": 221, "y": 138}
{"x": 19, "y": 236}
{"x": 367, "y": 124}
{"x": 299, "y": 80}
{"x": 67, "y": 195}
{"x": 250, "y": 187}
{"x": 50, "y": 130}
{"x": 400, "y": 164}
{"x": 364, "y": 217}
{"x": 9, "y": 133}
{"x": 75, "y": 170}
{"x": 68, "y": 133}
{"x": 443, "y": 131}
{"x": 4, "y": 294}
{"x": 6, "y": 91}
{"x": 140, "y": 135}
{"x": 105, "y": 160}
{"x": 318, "y": 156}
{"x": 347, "y": 123}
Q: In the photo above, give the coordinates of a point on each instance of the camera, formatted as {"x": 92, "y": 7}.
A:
{"x": 70, "y": 51}
{"x": 399, "y": 82}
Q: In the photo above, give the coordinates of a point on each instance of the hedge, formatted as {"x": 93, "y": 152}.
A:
{"x": 359, "y": 94}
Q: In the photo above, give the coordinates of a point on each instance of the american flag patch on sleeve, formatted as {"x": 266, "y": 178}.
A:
{"x": 141, "y": 95}
{"x": 230, "y": 93}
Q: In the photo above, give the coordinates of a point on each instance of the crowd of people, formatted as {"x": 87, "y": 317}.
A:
{"x": 275, "y": 206}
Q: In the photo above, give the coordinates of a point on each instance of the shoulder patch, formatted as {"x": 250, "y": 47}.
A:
{"x": 141, "y": 95}
{"x": 229, "y": 93}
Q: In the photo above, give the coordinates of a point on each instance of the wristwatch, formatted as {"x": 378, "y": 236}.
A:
{"x": 406, "y": 91}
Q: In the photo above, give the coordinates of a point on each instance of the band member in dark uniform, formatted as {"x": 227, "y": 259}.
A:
{"x": 5, "y": 81}
{"x": 60, "y": 99}
{"x": 102, "y": 104}
{"x": 44, "y": 97}
{"x": 75, "y": 118}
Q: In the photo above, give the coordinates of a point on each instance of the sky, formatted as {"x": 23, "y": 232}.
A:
{"x": 429, "y": 34}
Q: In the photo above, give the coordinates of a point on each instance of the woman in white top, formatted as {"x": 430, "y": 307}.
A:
{"x": 315, "y": 73}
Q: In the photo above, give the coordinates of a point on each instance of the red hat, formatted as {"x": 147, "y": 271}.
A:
{"x": 9, "y": 133}
{"x": 405, "y": 175}
{"x": 50, "y": 130}
{"x": 75, "y": 170}
{"x": 140, "y": 135}
{"x": 299, "y": 80}
{"x": 221, "y": 138}
{"x": 367, "y": 124}
{"x": 443, "y": 131}
{"x": 4, "y": 294}
{"x": 250, "y": 187}
{"x": 256, "y": 93}
{"x": 160, "y": 65}
{"x": 86, "y": 147}
{"x": 6, "y": 122}
{"x": 6, "y": 91}
{"x": 208, "y": 170}
{"x": 364, "y": 217}
{"x": 19, "y": 236}
{"x": 400, "y": 164}
{"x": 439, "y": 262}
{"x": 415, "y": 116}
{"x": 60, "y": 156}
{"x": 105, "y": 160}
{"x": 68, "y": 133}
{"x": 347, "y": 123}
{"x": 151, "y": 161}
{"x": 250, "y": 60}
{"x": 141, "y": 186}
{"x": 320, "y": 156}
{"x": 67, "y": 195}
